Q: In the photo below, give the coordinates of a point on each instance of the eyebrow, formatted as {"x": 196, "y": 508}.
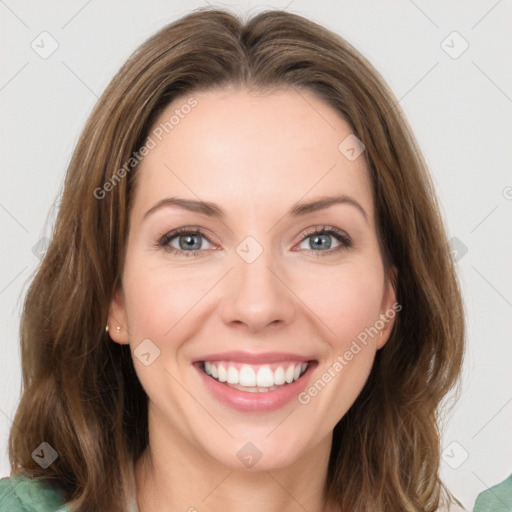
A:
{"x": 298, "y": 209}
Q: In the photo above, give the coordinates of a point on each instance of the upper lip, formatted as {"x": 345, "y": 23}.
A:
{"x": 252, "y": 357}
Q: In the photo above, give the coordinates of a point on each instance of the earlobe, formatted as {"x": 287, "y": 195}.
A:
{"x": 381, "y": 340}
{"x": 116, "y": 322}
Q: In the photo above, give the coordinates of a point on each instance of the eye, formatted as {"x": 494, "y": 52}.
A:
{"x": 326, "y": 240}
{"x": 191, "y": 241}
{"x": 185, "y": 241}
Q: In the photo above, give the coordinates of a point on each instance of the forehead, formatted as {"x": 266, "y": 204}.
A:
{"x": 247, "y": 149}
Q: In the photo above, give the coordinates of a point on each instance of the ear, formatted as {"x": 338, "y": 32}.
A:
{"x": 117, "y": 324}
{"x": 389, "y": 308}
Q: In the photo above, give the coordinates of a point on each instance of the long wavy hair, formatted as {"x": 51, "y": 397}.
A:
{"x": 80, "y": 391}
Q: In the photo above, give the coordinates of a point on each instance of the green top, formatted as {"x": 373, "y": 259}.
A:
{"x": 496, "y": 499}
{"x": 23, "y": 494}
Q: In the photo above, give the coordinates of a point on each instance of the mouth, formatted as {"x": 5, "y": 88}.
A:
{"x": 250, "y": 387}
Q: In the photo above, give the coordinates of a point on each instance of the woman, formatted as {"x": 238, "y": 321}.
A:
{"x": 248, "y": 299}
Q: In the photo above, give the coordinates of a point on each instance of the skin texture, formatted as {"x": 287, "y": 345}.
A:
{"x": 255, "y": 155}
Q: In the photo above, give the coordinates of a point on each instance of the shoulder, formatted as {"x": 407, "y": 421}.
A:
{"x": 497, "y": 498}
{"x": 21, "y": 493}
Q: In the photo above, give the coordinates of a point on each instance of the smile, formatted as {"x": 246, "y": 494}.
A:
{"x": 254, "y": 384}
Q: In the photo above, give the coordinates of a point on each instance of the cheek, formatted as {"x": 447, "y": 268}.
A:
{"x": 347, "y": 300}
{"x": 348, "y": 304}
{"x": 159, "y": 298}
{"x": 159, "y": 303}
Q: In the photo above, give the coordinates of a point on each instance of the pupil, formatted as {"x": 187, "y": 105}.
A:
{"x": 323, "y": 241}
{"x": 191, "y": 242}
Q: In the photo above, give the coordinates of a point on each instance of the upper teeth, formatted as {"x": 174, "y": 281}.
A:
{"x": 255, "y": 376}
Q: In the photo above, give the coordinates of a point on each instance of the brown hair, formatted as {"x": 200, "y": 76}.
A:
{"x": 80, "y": 390}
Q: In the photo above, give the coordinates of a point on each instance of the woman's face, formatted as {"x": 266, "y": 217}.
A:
{"x": 263, "y": 278}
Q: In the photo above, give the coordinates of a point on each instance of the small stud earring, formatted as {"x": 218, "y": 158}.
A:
{"x": 118, "y": 329}
{"x": 106, "y": 328}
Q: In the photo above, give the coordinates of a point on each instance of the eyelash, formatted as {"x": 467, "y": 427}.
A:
{"x": 341, "y": 237}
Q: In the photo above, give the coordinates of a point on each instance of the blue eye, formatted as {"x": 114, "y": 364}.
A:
{"x": 320, "y": 241}
{"x": 326, "y": 239}
{"x": 190, "y": 242}
{"x": 184, "y": 241}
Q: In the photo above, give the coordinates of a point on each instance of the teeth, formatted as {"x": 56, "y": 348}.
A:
{"x": 254, "y": 389}
{"x": 254, "y": 378}
{"x": 233, "y": 377}
{"x": 265, "y": 377}
{"x": 247, "y": 377}
{"x": 223, "y": 374}
{"x": 279, "y": 378}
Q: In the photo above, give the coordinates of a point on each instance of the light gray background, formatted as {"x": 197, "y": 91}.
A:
{"x": 459, "y": 108}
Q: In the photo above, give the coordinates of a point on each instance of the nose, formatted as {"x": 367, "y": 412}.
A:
{"x": 256, "y": 296}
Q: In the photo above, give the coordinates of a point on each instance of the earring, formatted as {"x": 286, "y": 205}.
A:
{"x": 118, "y": 329}
{"x": 106, "y": 328}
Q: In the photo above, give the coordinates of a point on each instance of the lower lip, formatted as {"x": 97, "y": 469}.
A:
{"x": 266, "y": 401}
